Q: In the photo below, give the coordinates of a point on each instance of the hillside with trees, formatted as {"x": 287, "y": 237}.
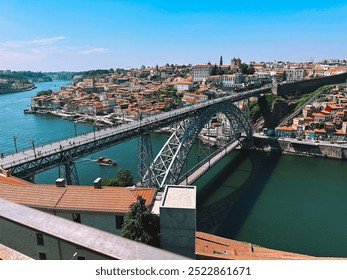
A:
{"x": 9, "y": 84}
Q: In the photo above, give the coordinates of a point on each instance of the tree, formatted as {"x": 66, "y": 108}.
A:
{"x": 245, "y": 69}
{"x": 123, "y": 179}
{"x": 141, "y": 225}
{"x": 44, "y": 92}
{"x": 221, "y": 61}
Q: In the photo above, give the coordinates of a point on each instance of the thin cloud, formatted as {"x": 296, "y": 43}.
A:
{"x": 35, "y": 42}
{"x": 94, "y": 50}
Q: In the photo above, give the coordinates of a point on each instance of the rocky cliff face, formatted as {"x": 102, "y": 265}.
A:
{"x": 273, "y": 110}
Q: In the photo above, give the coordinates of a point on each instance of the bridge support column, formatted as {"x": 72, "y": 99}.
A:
{"x": 145, "y": 158}
{"x": 69, "y": 172}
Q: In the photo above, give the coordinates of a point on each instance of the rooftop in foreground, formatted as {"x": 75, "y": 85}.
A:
{"x": 180, "y": 196}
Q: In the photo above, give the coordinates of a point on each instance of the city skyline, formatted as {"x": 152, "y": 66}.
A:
{"x": 82, "y": 35}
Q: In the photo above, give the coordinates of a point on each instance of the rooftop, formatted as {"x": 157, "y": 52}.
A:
{"x": 180, "y": 196}
{"x": 81, "y": 198}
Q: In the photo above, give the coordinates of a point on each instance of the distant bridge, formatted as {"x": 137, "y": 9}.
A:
{"x": 165, "y": 168}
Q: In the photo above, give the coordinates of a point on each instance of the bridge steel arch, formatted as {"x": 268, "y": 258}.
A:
{"x": 168, "y": 164}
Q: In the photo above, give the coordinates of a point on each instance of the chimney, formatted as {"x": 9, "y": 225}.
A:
{"x": 60, "y": 182}
{"x": 97, "y": 183}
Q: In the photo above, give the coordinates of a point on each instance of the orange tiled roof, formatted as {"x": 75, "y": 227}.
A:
{"x": 81, "y": 198}
{"x": 287, "y": 128}
{"x": 116, "y": 199}
{"x": 215, "y": 247}
{"x": 31, "y": 195}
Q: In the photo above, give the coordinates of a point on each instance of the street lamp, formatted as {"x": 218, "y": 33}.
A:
{"x": 33, "y": 144}
{"x": 15, "y": 143}
{"x": 74, "y": 124}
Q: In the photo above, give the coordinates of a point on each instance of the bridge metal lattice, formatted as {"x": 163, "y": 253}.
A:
{"x": 30, "y": 161}
{"x": 167, "y": 166}
{"x": 145, "y": 155}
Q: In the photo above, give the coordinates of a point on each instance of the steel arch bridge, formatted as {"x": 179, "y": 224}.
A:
{"x": 168, "y": 164}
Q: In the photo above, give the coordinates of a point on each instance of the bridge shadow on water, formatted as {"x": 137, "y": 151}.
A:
{"x": 226, "y": 216}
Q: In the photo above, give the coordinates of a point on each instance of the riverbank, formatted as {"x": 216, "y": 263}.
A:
{"x": 16, "y": 90}
{"x": 301, "y": 147}
{"x": 108, "y": 120}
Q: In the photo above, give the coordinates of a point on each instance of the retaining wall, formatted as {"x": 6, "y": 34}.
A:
{"x": 302, "y": 148}
{"x": 306, "y": 86}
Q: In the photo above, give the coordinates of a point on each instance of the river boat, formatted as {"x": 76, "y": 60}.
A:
{"x": 28, "y": 111}
{"x": 106, "y": 161}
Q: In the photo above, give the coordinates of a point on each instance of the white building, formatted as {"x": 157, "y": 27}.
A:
{"x": 295, "y": 74}
{"x": 98, "y": 207}
{"x": 183, "y": 86}
{"x": 232, "y": 80}
{"x": 201, "y": 72}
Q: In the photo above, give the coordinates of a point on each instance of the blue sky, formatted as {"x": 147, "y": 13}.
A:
{"x": 41, "y": 35}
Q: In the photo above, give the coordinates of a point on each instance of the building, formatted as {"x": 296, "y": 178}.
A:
{"x": 183, "y": 86}
{"x": 178, "y": 220}
{"x": 99, "y": 207}
{"x": 201, "y": 72}
{"x": 285, "y": 131}
{"x": 295, "y": 74}
{"x": 232, "y": 80}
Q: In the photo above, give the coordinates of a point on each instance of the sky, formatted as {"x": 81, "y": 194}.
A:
{"x": 76, "y": 35}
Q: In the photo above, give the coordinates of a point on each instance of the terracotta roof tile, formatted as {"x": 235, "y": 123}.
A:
{"x": 72, "y": 198}
{"x": 31, "y": 195}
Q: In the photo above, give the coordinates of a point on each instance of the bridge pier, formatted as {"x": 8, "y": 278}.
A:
{"x": 69, "y": 172}
{"x": 145, "y": 158}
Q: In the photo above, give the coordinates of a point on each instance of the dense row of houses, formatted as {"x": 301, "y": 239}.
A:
{"x": 150, "y": 90}
{"x": 321, "y": 121}
{"x": 231, "y": 75}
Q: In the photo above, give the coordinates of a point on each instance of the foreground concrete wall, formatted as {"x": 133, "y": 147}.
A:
{"x": 178, "y": 220}
{"x": 24, "y": 240}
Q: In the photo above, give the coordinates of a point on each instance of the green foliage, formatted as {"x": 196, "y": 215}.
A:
{"x": 123, "y": 179}
{"x": 95, "y": 73}
{"x": 25, "y": 76}
{"x": 245, "y": 69}
{"x": 254, "y": 110}
{"x": 270, "y": 98}
{"x": 141, "y": 225}
{"x": 44, "y": 92}
{"x": 108, "y": 182}
{"x": 304, "y": 98}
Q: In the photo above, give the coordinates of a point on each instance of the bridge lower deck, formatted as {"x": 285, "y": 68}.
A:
{"x": 207, "y": 165}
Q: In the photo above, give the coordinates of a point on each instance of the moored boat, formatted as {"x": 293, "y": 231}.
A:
{"x": 106, "y": 161}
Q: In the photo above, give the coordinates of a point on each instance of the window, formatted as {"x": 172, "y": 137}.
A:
{"x": 39, "y": 239}
{"x": 76, "y": 217}
{"x": 119, "y": 222}
{"x": 42, "y": 256}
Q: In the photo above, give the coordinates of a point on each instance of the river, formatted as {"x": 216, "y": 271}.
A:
{"x": 277, "y": 201}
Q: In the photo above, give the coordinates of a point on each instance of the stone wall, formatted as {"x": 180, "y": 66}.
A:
{"x": 306, "y": 86}
{"x": 302, "y": 148}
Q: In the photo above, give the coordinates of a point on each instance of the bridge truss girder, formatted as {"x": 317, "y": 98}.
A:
{"x": 167, "y": 166}
{"x": 28, "y": 169}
